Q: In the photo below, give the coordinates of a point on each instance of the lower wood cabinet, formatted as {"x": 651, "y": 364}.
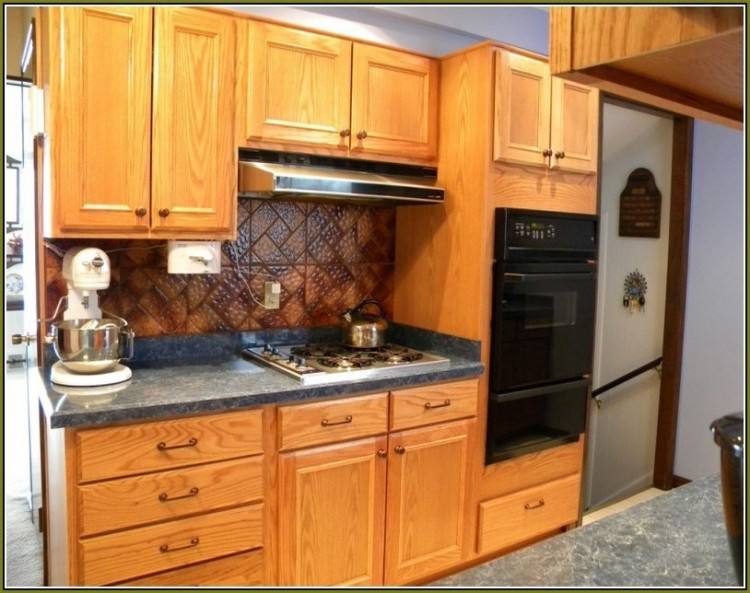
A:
{"x": 426, "y": 493}
{"x": 332, "y": 502}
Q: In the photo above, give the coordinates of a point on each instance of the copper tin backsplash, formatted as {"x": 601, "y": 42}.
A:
{"x": 326, "y": 257}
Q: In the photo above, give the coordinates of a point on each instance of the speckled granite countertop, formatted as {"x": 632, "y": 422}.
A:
{"x": 675, "y": 540}
{"x": 205, "y": 374}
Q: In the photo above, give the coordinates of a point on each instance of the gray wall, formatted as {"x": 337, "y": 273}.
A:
{"x": 713, "y": 356}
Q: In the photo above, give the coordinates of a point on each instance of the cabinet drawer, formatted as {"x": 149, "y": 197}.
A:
{"x": 128, "y": 502}
{"x": 331, "y": 421}
{"x": 138, "y": 448}
{"x": 517, "y": 517}
{"x": 122, "y": 556}
{"x": 435, "y": 403}
{"x": 240, "y": 570}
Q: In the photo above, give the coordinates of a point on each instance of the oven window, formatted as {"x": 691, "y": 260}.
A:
{"x": 540, "y": 310}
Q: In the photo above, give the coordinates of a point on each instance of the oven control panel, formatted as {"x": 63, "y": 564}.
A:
{"x": 536, "y": 231}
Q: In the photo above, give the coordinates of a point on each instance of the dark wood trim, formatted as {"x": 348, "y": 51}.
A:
{"x": 679, "y": 481}
{"x": 674, "y": 316}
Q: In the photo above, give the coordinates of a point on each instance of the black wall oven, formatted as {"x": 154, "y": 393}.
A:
{"x": 544, "y": 288}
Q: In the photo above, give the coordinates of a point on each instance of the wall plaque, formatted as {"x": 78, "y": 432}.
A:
{"x": 640, "y": 206}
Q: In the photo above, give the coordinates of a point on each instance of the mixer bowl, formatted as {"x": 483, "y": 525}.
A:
{"x": 91, "y": 345}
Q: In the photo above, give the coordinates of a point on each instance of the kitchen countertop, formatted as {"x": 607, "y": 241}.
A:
{"x": 677, "y": 539}
{"x": 163, "y": 387}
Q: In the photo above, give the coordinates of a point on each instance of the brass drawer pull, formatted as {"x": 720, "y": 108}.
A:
{"x": 400, "y": 450}
{"x": 327, "y": 422}
{"x": 164, "y": 212}
{"x": 362, "y": 134}
{"x": 164, "y": 497}
{"x": 141, "y": 212}
{"x": 529, "y": 506}
{"x": 431, "y": 406}
{"x": 345, "y": 133}
{"x": 382, "y": 453}
{"x": 547, "y": 152}
{"x": 560, "y": 154}
{"x": 162, "y": 446}
{"x": 165, "y": 547}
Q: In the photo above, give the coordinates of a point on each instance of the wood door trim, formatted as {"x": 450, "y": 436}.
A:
{"x": 674, "y": 317}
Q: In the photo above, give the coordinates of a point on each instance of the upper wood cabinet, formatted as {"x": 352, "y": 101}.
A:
{"x": 541, "y": 120}
{"x": 394, "y": 102}
{"x": 194, "y": 154}
{"x": 298, "y": 86}
{"x": 303, "y": 90}
{"x": 115, "y": 163}
{"x": 427, "y": 486}
{"x": 333, "y": 504}
{"x": 99, "y": 117}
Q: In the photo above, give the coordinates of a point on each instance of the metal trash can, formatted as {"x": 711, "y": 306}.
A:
{"x": 728, "y": 434}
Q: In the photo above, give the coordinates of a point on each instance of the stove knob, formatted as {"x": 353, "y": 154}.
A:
{"x": 291, "y": 362}
{"x": 274, "y": 350}
{"x": 267, "y": 348}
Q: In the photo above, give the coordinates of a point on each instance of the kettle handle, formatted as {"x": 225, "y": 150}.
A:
{"x": 366, "y": 302}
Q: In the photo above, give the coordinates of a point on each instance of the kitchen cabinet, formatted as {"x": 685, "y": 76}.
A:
{"x": 335, "y": 96}
{"x": 394, "y": 102}
{"x": 427, "y": 487}
{"x": 543, "y": 121}
{"x": 194, "y": 156}
{"x": 333, "y": 501}
{"x": 299, "y": 86}
{"x": 140, "y": 118}
{"x": 99, "y": 117}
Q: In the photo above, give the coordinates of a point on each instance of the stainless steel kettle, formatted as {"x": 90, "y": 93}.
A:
{"x": 364, "y": 330}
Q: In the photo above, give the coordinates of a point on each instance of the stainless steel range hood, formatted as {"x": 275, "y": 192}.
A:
{"x": 266, "y": 174}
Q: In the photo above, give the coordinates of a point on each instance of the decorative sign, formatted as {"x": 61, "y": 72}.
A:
{"x": 635, "y": 288}
{"x": 640, "y": 206}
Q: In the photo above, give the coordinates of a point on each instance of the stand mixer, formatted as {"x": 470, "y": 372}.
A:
{"x": 89, "y": 346}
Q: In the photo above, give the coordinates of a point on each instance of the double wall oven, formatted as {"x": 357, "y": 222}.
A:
{"x": 544, "y": 290}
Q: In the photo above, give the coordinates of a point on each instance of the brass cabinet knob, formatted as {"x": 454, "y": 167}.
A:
{"x": 400, "y": 450}
{"x": 164, "y": 212}
{"x": 345, "y": 133}
{"x": 382, "y": 453}
{"x": 140, "y": 211}
{"x": 547, "y": 152}
{"x": 362, "y": 135}
{"x": 560, "y": 154}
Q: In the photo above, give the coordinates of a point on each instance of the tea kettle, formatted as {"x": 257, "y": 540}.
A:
{"x": 364, "y": 330}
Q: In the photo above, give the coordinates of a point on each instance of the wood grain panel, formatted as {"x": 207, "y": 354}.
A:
{"x": 395, "y": 101}
{"x": 522, "y": 109}
{"x": 326, "y": 421}
{"x": 122, "y": 556}
{"x": 334, "y": 503}
{"x": 427, "y": 489}
{"x": 574, "y": 126}
{"x": 521, "y": 516}
{"x": 531, "y": 470}
{"x": 298, "y": 86}
{"x": 129, "y": 502}
{"x": 99, "y": 113}
{"x": 194, "y": 161}
{"x": 417, "y": 406}
{"x": 132, "y": 449}
{"x": 241, "y": 570}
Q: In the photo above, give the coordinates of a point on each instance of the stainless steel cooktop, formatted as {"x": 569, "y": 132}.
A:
{"x": 332, "y": 363}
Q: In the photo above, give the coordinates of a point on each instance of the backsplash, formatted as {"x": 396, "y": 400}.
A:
{"x": 326, "y": 257}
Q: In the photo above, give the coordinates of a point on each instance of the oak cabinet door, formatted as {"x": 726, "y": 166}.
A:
{"x": 425, "y": 527}
{"x": 394, "y": 103}
{"x": 194, "y": 161}
{"x": 575, "y": 126}
{"x": 333, "y": 501}
{"x": 522, "y": 109}
{"x": 298, "y": 86}
{"x": 100, "y": 89}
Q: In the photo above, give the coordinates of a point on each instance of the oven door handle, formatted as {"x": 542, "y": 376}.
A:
{"x": 544, "y": 390}
{"x": 518, "y": 277}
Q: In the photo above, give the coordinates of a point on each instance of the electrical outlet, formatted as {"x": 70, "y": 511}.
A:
{"x": 272, "y": 295}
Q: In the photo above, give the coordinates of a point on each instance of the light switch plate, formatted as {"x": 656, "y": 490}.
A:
{"x": 194, "y": 257}
{"x": 272, "y": 295}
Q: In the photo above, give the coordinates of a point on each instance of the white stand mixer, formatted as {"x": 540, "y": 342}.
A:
{"x": 88, "y": 346}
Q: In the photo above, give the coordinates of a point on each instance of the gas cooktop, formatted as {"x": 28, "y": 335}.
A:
{"x": 331, "y": 363}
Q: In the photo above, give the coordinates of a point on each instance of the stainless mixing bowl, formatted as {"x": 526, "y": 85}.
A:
{"x": 91, "y": 345}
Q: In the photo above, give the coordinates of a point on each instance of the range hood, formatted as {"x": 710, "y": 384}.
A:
{"x": 291, "y": 176}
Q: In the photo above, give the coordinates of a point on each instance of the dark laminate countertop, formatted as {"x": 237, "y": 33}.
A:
{"x": 176, "y": 382}
{"x": 675, "y": 540}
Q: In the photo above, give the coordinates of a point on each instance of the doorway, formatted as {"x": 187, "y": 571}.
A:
{"x": 628, "y": 445}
